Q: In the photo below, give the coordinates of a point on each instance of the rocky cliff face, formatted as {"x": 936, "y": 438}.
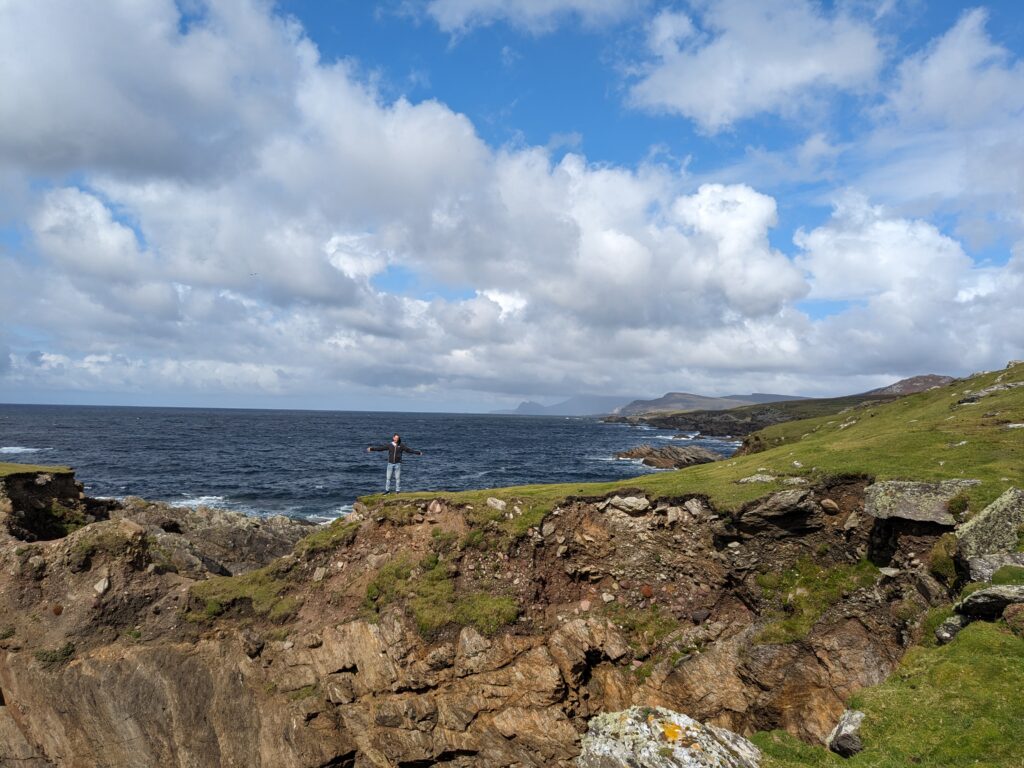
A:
{"x": 422, "y": 633}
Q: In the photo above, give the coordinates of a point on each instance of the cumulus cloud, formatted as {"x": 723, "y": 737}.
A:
{"x": 533, "y": 15}
{"x": 733, "y": 59}
{"x": 250, "y": 230}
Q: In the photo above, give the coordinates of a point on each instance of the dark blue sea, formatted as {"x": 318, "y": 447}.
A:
{"x": 310, "y": 464}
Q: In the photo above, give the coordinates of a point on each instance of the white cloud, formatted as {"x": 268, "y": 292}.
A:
{"x": 738, "y": 58}
{"x": 232, "y": 232}
{"x": 533, "y": 15}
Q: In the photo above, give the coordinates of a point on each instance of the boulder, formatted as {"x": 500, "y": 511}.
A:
{"x": 653, "y": 737}
{"x": 790, "y": 510}
{"x": 921, "y": 502}
{"x": 498, "y": 504}
{"x": 982, "y": 567}
{"x": 759, "y": 478}
{"x": 950, "y": 628}
{"x": 990, "y": 602}
{"x": 632, "y": 505}
{"x": 670, "y": 456}
{"x": 994, "y": 529}
{"x": 845, "y": 737}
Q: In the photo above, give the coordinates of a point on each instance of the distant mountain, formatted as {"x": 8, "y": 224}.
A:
{"x": 578, "y": 405}
{"x": 759, "y": 398}
{"x": 913, "y": 385}
{"x": 676, "y": 402}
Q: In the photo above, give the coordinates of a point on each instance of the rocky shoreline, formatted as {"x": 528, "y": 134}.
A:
{"x": 310, "y": 654}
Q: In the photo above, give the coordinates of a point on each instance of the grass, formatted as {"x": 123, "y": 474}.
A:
{"x": 262, "y": 591}
{"x": 13, "y": 468}
{"x": 428, "y": 591}
{"x": 1009, "y": 574}
{"x": 340, "y": 533}
{"x": 56, "y": 656}
{"x": 799, "y": 596}
{"x": 954, "y": 705}
{"x": 918, "y": 437}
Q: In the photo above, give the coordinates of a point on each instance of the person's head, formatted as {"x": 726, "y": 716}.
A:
{"x": 396, "y": 439}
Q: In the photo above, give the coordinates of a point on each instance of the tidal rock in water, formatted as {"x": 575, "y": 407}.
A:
{"x": 653, "y": 737}
{"x": 670, "y": 456}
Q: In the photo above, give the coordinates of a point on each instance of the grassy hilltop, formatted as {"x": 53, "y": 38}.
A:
{"x": 926, "y": 436}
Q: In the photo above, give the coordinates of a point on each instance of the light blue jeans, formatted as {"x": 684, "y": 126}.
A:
{"x": 395, "y": 469}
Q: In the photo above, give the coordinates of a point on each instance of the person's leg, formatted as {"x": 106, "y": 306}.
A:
{"x": 387, "y": 481}
{"x": 398, "y": 478}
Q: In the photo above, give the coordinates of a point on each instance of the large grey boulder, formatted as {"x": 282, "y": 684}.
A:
{"x": 921, "y": 502}
{"x": 982, "y": 567}
{"x": 653, "y": 737}
{"x": 994, "y": 529}
{"x": 792, "y": 510}
{"x": 989, "y": 603}
{"x": 845, "y": 737}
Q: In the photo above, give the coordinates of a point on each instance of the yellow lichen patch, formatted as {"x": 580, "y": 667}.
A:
{"x": 671, "y": 731}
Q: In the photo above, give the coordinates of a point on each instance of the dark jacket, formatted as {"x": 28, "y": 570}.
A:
{"x": 395, "y": 451}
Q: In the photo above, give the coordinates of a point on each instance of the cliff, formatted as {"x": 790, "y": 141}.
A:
{"x": 488, "y": 629}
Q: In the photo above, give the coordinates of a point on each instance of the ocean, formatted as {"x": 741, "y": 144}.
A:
{"x": 311, "y": 464}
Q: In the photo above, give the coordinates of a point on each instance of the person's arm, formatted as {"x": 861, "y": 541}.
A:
{"x": 412, "y": 450}
{"x": 376, "y": 448}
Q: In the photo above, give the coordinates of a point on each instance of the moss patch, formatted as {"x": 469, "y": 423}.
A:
{"x": 1009, "y": 574}
{"x": 340, "y": 533}
{"x": 799, "y": 596}
{"x": 941, "y": 562}
{"x": 56, "y": 656}
{"x": 644, "y": 628}
{"x": 260, "y": 591}
{"x": 428, "y": 592}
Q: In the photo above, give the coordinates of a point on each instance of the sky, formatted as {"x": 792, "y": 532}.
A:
{"x": 455, "y": 205}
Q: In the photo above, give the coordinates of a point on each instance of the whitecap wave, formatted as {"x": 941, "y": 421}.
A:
{"x": 13, "y": 449}
{"x": 192, "y": 502}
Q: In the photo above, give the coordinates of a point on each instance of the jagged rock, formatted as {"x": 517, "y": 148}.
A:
{"x": 654, "y": 737}
{"x": 950, "y": 628}
{"x": 845, "y": 737}
{"x": 989, "y": 603}
{"x": 790, "y": 510}
{"x": 632, "y": 505}
{"x": 922, "y": 502}
{"x": 981, "y": 568}
{"x": 758, "y": 478}
{"x": 670, "y": 456}
{"x": 994, "y": 529}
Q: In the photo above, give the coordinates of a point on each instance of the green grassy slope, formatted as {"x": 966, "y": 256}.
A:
{"x": 921, "y": 437}
{"x": 11, "y": 468}
{"x": 958, "y": 705}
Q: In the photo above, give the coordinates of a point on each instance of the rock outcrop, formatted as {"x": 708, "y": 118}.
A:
{"x": 996, "y": 529}
{"x": 990, "y": 602}
{"x": 919, "y": 502}
{"x": 670, "y": 456}
{"x": 427, "y": 633}
{"x": 647, "y": 737}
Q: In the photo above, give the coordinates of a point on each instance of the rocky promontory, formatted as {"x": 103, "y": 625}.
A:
{"x": 670, "y": 456}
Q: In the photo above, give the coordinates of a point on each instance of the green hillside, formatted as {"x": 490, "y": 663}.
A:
{"x": 926, "y": 436}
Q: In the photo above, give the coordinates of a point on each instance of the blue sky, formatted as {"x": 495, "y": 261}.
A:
{"x": 457, "y": 204}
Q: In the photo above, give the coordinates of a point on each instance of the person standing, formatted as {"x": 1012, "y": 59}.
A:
{"x": 395, "y": 450}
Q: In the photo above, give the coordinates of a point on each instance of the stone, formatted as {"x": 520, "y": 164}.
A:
{"x": 319, "y": 573}
{"x": 982, "y": 567}
{"x": 548, "y": 528}
{"x": 791, "y": 510}
{"x": 830, "y": 506}
{"x": 252, "y": 643}
{"x": 990, "y": 602}
{"x": 647, "y": 591}
{"x": 497, "y": 504}
{"x": 654, "y": 737}
{"x": 631, "y": 505}
{"x": 608, "y": 597}
{"x": 950, "y": 628}
{"x": 101, "y": 586}
{"x": 889, "y": 572}
{"x": 1013, "y": 615}
{"x": 921, "y": 502}
{"x": 584, "y": 605}
{"x": 852, "y": 521}
{"x": 994, "y": 529}
{"x": 845, "y": 737}
{"x": 758, "y": 478}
